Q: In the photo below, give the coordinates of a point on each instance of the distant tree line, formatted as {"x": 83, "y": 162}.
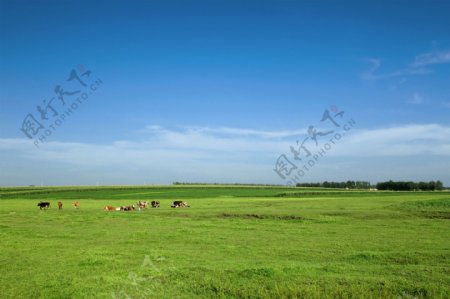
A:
{"x": 226, "y": 184}
{"x": 389, "y": 185}
{"x": 344, "y": 185}
{"x": 410, "y": 186}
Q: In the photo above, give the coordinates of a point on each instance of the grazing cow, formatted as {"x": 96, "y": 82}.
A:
{"x": 109, "y": 208}
{"x": 76, "y": 204}
{"x": 176, "y": 204}
{"x": 43, "y": 205}
{"x": 155, "y": 204}
{"x": 59, "y": 205}
{"x": 180, "y": 204}
{"x": 142, "y": 204}
{"x": 127, "y": 208}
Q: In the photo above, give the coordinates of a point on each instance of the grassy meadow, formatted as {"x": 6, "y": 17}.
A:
{"x": 233, "y": 242}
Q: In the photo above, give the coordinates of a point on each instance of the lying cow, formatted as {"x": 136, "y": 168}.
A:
{"x": 76, "y": 204}
{"x": 155, "y": 204}
{"x": 109, "y": 208}
{"x": 59, "y": 205}
{"x": 43, "y": 205}
{"x": 127, "y": 208}
{"x": 180, "y": 204}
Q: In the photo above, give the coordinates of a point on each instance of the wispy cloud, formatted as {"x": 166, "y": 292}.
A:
{"x": 433, "y": 57}
{"x": 417, "y": 67}
{"x": 373, "y": 74}
{"x": 398, "y": 141}
{"x": 370, "y": 74}
{"x": 416, "y": 99}
{"x": 208, "y": 142}
{"x": 208, "y": 154}
{"x": 228, "y": 132}
{"x": 205, "y": 138}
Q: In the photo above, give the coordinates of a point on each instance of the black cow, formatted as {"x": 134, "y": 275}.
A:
{"x": 127, "y": 208}
{"x": 155, "y": 204}
{"x": 180, "y": 204}
{"x": 43, "y": 205}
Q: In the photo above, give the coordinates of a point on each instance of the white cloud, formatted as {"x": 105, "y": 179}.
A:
{"x": 225, "y": 131}
{"x": 434, "y": 57}
{"x": 210, "y": 154}
{"x": 204, "y": 142}
{"x": 399, "y": 141}
{"x": 417, "y": 67}
{"x": 373, "y": 74}
{"x": 248, "y": 132}
{"x": 416, "y": 99}
{"x": 374, "y": 66}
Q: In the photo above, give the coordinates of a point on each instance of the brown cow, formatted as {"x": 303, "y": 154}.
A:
{"x": 142, "y": 204}
{"x": 59, "y": 205}
{"x": 109, "y": 208}
{"x": 76, "y": 204}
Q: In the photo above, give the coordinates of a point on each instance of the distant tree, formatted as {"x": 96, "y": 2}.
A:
{"x": 361, "y": 185}
{"x": 342, "y": 185}
{"x": 409, "y": 186}
{"x": 351, "y": 184}
{"x": 432, "y": 185}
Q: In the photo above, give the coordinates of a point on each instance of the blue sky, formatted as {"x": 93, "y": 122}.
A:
{"x": 216, "y": 91}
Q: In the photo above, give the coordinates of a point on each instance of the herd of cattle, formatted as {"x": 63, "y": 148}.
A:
{"x": 140, "y": 205}
{"x": 45, "y": 205}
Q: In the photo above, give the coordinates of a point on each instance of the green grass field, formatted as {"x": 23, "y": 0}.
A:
{"x": 234, "y": 242}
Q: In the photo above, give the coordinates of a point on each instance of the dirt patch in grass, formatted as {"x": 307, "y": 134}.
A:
{"x": 435, "y": 215}
{"x": 432, "y": 208}
{"x": 384, "y": 258}
{"x": 434, "y": 204}
{"x": 182, "y": 215}
{"x": 259, "y": 216}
